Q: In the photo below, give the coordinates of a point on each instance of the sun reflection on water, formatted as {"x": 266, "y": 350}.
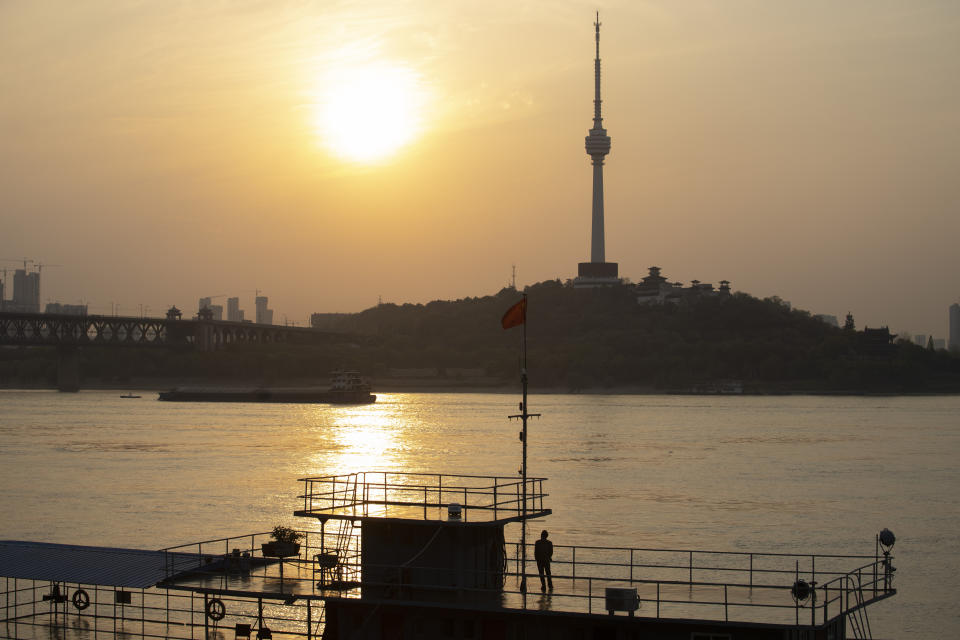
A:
{"x": 358, "y": 438}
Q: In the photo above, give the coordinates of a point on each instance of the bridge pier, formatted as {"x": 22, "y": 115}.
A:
{"x": 68, "y": 369}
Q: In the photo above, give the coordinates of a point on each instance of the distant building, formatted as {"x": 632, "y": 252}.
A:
{"x": 877, "y": 342}
{"x": 920, "y": 339}
{"x": 827, "y": 319}
{"x": 216, "y": 310}
{"x": 328, "y": 321}
{"x": 939, "y": 343}
{"x": 66, "y": 309}
{"x": 26, "y": 292}
{"x": 264, "y": 315}
{"x": 954, "y": 327}
{"x": 233, "y": 310}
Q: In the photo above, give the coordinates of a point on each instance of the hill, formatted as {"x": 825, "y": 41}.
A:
{"x": 601, "y": 338}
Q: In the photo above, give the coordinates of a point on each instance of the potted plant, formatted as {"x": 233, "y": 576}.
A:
{"x": 284, "y": 544}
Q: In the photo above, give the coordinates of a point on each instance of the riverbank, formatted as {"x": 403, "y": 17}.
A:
{"x": 499, "y": 387}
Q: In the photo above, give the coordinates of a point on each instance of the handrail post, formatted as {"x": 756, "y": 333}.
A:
{"x": 826, "y": 602}
{"x": 691, "y": 569}
{"x": 631, "y": 566}
{"x": 574, "y": 564}
{"x": 658, "y": 598}
{"x": 751, "y": 570}
{"x": 494, "y": 498}
{"x": 589, "y": 595}
{"x": 726, "y": 605}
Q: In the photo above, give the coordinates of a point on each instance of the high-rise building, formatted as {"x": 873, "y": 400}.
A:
{"x": 954, "y": 327}
{"x": 216, "y": 310}
{"x": 264, "y": 315}
{"x": 597, "y": 272}
{"x": 233, "y": 310}
{"x": 26, "y": 291}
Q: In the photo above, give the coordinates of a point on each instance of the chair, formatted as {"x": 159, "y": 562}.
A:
{"x": 242, "y": 631}
{"x": 264, "y": 634}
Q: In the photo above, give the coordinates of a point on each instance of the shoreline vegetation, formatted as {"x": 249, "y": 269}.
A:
{"x": 598, "y": 341}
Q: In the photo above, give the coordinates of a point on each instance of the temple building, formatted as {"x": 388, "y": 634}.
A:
{"x": 654, "y": 288}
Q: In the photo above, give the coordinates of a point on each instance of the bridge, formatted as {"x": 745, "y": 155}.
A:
{"x": 69, "y": 332}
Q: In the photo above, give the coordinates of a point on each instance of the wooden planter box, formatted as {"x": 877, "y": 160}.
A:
{"x": 280, "y": 549}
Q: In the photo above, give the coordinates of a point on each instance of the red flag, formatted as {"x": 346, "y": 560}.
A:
{"x": 515, "y": 315}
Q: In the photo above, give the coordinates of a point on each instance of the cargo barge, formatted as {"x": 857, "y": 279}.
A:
{"x": 347, "y": 387}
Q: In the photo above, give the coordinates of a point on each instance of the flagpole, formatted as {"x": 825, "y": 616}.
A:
{"x": 525, "y": 415}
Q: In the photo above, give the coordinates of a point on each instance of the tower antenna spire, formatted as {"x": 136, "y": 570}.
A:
{"x": 597, "y": 119}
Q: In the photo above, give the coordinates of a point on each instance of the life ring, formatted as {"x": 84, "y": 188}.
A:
{"x": 81, "y": 599}
{"x": 216, "y": 610}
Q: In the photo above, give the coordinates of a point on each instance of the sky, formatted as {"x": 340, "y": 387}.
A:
{"x": 154, "y": 152}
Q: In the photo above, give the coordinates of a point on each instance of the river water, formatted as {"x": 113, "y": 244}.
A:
{"x": 793, "y": 474}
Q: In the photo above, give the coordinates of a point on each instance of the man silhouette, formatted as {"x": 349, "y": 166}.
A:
{"x": 543, "y": 553}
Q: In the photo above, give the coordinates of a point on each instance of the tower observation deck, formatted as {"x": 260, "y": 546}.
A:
{"x": 597, "y": 272}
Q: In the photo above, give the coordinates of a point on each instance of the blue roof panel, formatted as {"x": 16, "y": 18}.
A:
{"x": 108, "y": 566}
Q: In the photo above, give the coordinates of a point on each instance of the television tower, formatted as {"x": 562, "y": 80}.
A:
{"x": 598, "y": 271}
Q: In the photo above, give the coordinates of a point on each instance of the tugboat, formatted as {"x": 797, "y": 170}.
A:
{"x": 348, "y": 387}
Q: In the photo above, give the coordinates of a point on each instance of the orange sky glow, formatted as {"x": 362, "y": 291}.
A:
{"x": 164, "y": 151}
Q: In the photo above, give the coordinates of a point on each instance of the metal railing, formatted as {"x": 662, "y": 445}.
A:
{"x": 225, "y": 557}
{"x": 147, "y": 613}
{"x": 670, "y": 584}
{"x": 426, "y": 495}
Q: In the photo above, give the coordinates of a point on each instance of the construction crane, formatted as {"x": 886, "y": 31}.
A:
{"x": 219, "y": 295}
{"x": 41, "y": 265}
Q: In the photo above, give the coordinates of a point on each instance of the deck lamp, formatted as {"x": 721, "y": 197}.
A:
{"x": 887, "y": 540}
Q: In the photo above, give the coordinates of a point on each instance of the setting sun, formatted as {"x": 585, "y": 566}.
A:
{"x": 367, "y": 113}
